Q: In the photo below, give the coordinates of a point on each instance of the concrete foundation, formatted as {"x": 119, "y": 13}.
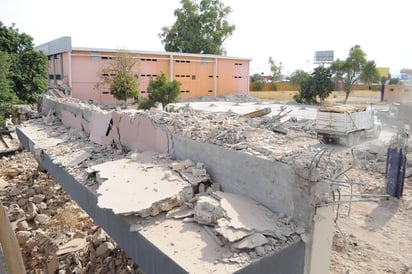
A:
{"x": 288, "y": 189}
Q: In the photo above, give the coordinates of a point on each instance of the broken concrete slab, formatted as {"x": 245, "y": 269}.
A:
{"x": 130, "y": 187}
{"x": 244, "y": 213}
{"x": 72, "y": 246}
{"x": 73, "y": 158}
{"x": 251, "y": 242}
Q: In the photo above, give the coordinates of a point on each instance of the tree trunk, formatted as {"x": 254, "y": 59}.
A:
{"x": 347, "y": 92}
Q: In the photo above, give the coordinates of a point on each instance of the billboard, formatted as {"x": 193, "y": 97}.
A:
{"x": 324, "y": 57}
{"x": 406, "y": 71}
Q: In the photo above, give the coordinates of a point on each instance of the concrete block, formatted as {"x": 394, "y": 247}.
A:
{"x": 177, "y": 166}
{"x": 199, "y": 172}
{"x": 100, "y": 123}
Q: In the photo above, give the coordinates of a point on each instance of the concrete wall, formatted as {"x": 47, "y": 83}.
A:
{"x": 272, "y": 184}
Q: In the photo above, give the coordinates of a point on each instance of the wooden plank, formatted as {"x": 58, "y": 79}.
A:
{"x": 11, "y": 249}
{"x": 343, "y": 109}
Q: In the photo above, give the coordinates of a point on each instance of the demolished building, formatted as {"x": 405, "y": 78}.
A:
{"x": 191, "y": 192}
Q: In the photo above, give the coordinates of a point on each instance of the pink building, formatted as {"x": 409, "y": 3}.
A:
{"x": 200, "y": 74}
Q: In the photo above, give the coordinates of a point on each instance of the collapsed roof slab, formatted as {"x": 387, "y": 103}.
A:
{"x": 161, "y": 245}
{"x": 292, "y": 185}
{"x": 134, "y": 187}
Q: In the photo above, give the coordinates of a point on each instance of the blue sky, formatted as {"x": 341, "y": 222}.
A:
{"x": 289, "y": 31}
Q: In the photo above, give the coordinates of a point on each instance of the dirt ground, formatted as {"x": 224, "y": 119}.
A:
{"x": 373, "y": 237}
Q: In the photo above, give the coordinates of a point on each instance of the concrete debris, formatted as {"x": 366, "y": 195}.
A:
{"x": 72, "y": 246}
{"x": 130, "y": 187}
{"x": 250, "y": 242}
{"x": 53, "y": 233}
{"x": 245, "y": 224}
{"x": 180, "y": 213}
{"x": 208, "y": 210}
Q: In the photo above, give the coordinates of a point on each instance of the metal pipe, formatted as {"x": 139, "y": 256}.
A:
{"x": 345, "y": 202}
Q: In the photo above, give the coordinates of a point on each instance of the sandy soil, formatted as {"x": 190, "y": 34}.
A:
{"x": 373, "y": 237}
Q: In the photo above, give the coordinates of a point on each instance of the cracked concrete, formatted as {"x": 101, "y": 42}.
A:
{"x": 254, "y": 188}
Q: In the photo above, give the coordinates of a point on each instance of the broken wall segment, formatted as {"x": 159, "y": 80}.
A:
{"x": 131, "y": 129}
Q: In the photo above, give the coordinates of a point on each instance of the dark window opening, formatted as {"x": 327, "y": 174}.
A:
{"x": 187, "y": 91}
{"x": 154, "y": 60}
{"x": 391, "y": 90}
{"x": 143, "y": 91}
{"x": 210, "y": 90}
{"x": 105, "y": 74}
{"x": 58, "y": 77}
{"x": 112, "y": 74}
{"x": 105, "y": 92}
{"x": 193, "y": 77}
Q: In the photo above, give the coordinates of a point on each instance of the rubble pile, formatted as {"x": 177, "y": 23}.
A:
{"x": 250, "y": 135}
{"x": 55, "y": 235}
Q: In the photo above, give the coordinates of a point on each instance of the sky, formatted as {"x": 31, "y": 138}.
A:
{"x": 289, "y": 31}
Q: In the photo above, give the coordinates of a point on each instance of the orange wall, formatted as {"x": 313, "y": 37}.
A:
{"x": 195, "y": 73}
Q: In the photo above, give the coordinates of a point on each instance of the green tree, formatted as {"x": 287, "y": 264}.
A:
{"x": 27, "y": 67}
{"x": 349, "y": 70}
{"x": 276, "y": 72}
{"x": 298, "y": 77}
{"x": 162, "y": 91}
{"x": 322, "y": 82}
{"x": 7, "y": 96}
{"x": 318, "y": 85}
{"x": 120, "y": 77}
{"x": 394, "y": 81}
{"x": 369, "y": 74}
{"x": 199, "y": 28}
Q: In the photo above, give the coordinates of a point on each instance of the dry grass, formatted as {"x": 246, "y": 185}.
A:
{"x": 335, "y": 96}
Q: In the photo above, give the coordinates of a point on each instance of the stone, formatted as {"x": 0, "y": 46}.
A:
{"x": 14, "y": 191}
{"x": 23, "y": 225}
{"x": 31, "y": 211}
{"x": 38, "y": 198}
{"x": 22, "y": 237}
{"x": 3, "y": 184}
{"x": 104, "y": 249}
{"x": 300, "y": 230}
{"x": 250, "y": 242}
{"x": 42, "y": 219}
{"x": 177, "y": 166}
{"x": 199, "y": 172}
{"x": 207, "y": 210}
{"x": 99, "y": 237}
{"x": 260, "y": 251}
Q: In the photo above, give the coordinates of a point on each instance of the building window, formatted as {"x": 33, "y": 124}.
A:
{"x": 210, "y": 91}
{"x": 193, "y": 77}
{"x": 95, "y": 56}
{"x": 105, "y": 92}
